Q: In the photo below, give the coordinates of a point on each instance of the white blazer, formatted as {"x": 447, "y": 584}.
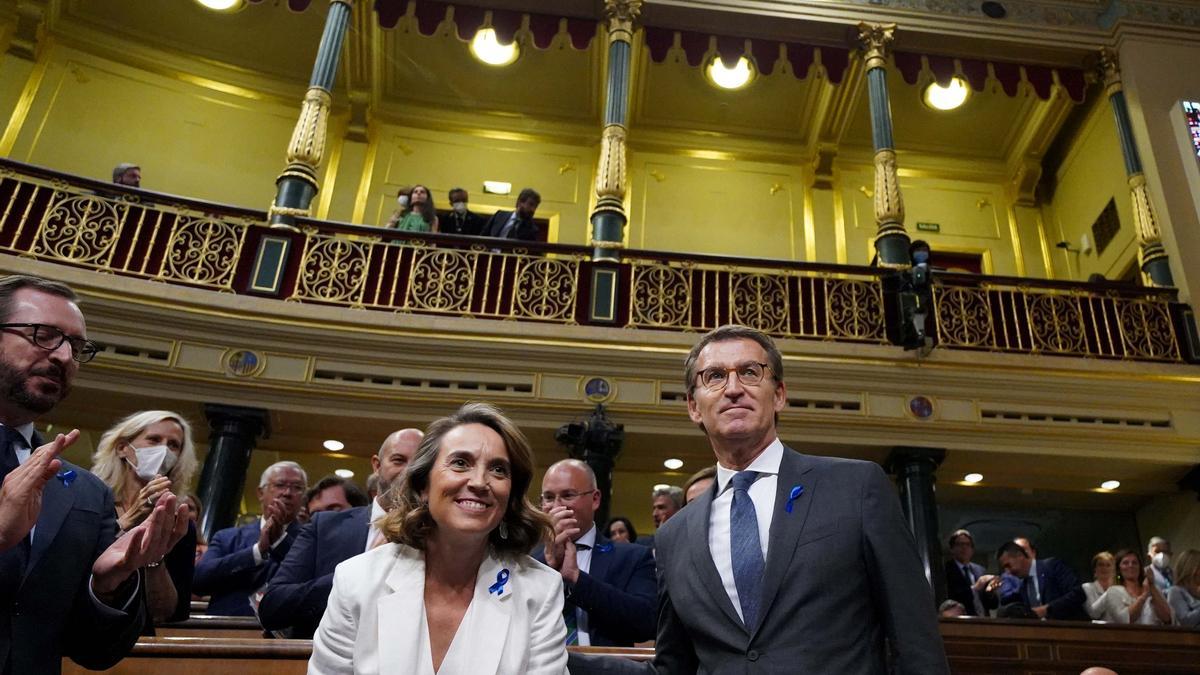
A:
{"x": 375, "y": 622}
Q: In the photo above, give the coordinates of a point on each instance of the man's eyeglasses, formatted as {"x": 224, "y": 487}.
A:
{"x": 565, "y": 496}
{"x": 288, "y": 487}
{"x": 749, "y": 374}
{"x": 51, "y": 338}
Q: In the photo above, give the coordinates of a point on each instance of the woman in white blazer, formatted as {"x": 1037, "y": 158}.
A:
{"x": 454, "y": 590}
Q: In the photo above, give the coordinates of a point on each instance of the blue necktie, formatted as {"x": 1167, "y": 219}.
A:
{"x": 745, "y": 547}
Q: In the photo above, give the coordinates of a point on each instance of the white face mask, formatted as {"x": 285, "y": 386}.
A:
{"x": 153, "y": 461}
{"x": 402, "y": 200}
{"x": 1162, "y": 560}
{"x": 459, "y": 207}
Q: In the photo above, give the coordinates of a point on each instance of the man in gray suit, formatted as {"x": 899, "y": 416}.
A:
{"x": 790, "y": 563}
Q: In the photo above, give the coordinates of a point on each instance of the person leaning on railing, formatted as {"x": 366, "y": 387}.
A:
{"x": 1184, "y": 596}
{"x": 142, "y": 457}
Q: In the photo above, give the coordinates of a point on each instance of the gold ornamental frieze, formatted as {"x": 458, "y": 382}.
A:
{"x": 659, "y": 297}
{"x": 760, "y": 301}
{"x": 333, "y": 269}
{"x": 964, "y": 317}
{"x": 441, "y": 281}
{"x": 854, "y": 309}
{"x": 203, "y": 251}
{"x": 546, "y": 289}
{"x": 80, "y": 229}
{"x": 1147, "y": 330}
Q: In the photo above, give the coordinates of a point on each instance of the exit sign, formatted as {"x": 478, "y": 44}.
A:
{"x": 929, "y": 227}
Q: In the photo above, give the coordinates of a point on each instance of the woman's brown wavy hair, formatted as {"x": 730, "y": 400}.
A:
{"x": 408, "y": 521}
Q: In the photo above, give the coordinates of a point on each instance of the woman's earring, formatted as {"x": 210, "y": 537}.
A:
{"x": 503, "y": 530}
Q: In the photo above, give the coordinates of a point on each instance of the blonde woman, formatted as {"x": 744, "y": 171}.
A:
{"x": 140, "y": 458}
{"x": 1104, "y": 572}
{"x": 1184, "y": 596}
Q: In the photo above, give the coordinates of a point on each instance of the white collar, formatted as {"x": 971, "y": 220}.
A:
{"x": 589, "y": 538}
{"x": 377, "y": 511}
{"x": 26, "y": 431}
{"x": 767, "y": 462}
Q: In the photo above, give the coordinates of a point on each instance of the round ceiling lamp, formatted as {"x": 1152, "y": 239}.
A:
{"x": 1110, "y": 485}
{"x": 222, "y": 5}
{"x": 486, "y": 47}
{"x": 948, "y": 97}
{"x": 344, "y": 473}
{"x": 724, "y": 77}
{"x": 973, "y": 478}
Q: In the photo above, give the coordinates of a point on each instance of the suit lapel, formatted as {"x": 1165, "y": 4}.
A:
{"x": 401, "y": 616}
{"x": 494, "y": 612}
{"x": 707, "y": 576}
{"x": 785, "y": 527}
{"x": 602, "y": 559}
{"x": 57, "y": 500}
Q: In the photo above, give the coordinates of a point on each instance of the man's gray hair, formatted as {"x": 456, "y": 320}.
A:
{"x": 120, "y": 169}
{"x": 285, "y": 464}
{"x": 1156, "y": 541}
{"x": 674, "y": 492}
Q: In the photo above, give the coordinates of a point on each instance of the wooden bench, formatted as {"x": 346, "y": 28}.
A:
{"x": 202, "y": 625}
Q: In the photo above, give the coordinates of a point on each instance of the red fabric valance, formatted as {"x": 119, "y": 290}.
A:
{"x": 1009, "y": 75}
{"x": 764, "y": 53}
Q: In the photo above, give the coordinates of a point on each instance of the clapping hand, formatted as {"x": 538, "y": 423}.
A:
{"x": 278, "y": 515}
{"x": 560, "y": 554}
{"x": 985, "y": 583}
{"x": 146, "y": 543}
{"x": 21, "y": 494}
{"x": 147, "y": 497}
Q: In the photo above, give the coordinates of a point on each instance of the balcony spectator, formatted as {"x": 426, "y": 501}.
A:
{"x": 699, "y": 483}
{"x": 127, "y": 174}
{"x": 621, "y": 529}
{"x": 1184, "y": 596}
{"x": 142, "y": 457}
{"x": 952, "y": 609}
{"x": 296, "y": 595}
{"x": 240, "y": 560}
{"x": 518, "y": 223}
{"x": 965, "y": 580}
{"x": 1134, "y": 598}
{"x": 421, "y": 215}
{"x": 460, "y": 220}
{"x": 665, "y": 502}
{"x": 1048, "y": 586}
{"x": 1104, "y": 570}
{"x": 610, "y": 586}
{"x": 401, "y": 206}
{"x": 334, "y": 493}
{"x": 1158, "y": 550}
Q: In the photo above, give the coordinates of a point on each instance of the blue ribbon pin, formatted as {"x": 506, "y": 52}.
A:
{"x": 501, "y": 579}
{"x": 604, "y": 548}
{"x": 796, "y": 492}
{"x": 67, "y": 477}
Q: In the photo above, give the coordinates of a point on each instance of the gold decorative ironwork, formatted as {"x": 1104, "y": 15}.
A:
{"x": 876, "y": 39}
{"x": 855, "y": 309}
{"x": 660, "y": 296}
{"x": 760, "y": 301}
{"x": 203, "y": 251}
{"x": 601, "y": 243}
{"x": 1056, "y": 324}
{"x": 964, "y": 317}
{"x": 1147, "y": 330}
{"x": 441, "y": 281}
{"x": 546, "y": 288}
{"x": 79, "y": 229}
{"x": 333, "y": 269}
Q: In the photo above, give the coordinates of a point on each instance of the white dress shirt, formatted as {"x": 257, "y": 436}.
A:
{"x": 583, "y": 559}
{"x": 377, "y": 512}
{"x": 762, "y": 493}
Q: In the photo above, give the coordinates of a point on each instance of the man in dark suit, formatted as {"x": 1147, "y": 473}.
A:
{"x": 609, "y": 586}
{"x": 790, "y": 563}
{"x": 966, "y": 580}
{"x": 460, "y": 219}
{"x": 518, "y": 223}
{"x": 1047, "y": 586}
{"x": 297, "y": 593}
{"x": 68, "y": 587}
{"x": 240, "y": 560}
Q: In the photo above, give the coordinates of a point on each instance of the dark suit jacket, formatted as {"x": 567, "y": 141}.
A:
{"x": 53, "y": 614}
{"x": 525, "y": 230}
{"x": 958, "y": 586}
{"x": 297, "y": 593}
{"x": 227, "y": 571}
{"x": 617, "y": 592}
{"x": 450, "y": 222}
{"x": 842, "y": 576}
{"x": 1061, "y": 591}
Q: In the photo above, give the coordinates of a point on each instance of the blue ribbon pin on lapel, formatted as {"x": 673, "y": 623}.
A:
{"x": 796, "y": 492}
{"x": 604, "y": 548}
{"x": 67, "y": 477}
{"x": 501, "y": 580}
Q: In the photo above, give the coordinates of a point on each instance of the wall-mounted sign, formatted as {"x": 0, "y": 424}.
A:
{"x": 929, "y": 227}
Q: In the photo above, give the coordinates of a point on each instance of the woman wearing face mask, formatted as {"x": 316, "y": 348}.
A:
{"x": 401, "y": 206}
{"x": 140, "y": 458}
{"x": 421, "y": 215}
{"x": 1134, "y": 598}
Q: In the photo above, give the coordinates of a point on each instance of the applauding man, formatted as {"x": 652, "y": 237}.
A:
{"x": 67, "y": 586}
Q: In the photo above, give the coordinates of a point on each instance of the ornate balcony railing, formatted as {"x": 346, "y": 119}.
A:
{"x": 109, "y": 228}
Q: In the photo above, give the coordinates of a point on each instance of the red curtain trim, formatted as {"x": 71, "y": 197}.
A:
{"x": 1008, "y": 75}
{"x": 764, "y": 53}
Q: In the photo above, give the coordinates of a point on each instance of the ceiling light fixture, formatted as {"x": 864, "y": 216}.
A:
{"x": 973, "y": 478}
{"x": 949, "y": 97}
{"x": 730, "y": 78}
{"x": 334, "y": 446}
{"x": 344, "y": 473}
{"x": 222, "y": 5}
{"x": 673, "y": 463}
{"x": 497, "y": 187}
{"x": 1110, "y": 485}
{"x": 486, "y": 47}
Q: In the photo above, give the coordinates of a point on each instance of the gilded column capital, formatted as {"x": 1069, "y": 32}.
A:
{"x": 1144, "y": 218}
{"x": 889, "y": 203}
{"x": 1110, "y": 71}
{"x": 876, "y": 39}
{"x": 621, "y": 15}
{"x": 610, "y": 177}
{"x": 307, "y": 146}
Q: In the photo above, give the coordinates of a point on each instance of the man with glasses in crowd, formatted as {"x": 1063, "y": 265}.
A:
{"x": 240, "y": 560}
{"x": 609, "y": 587}
{"x": 68, "y": 586}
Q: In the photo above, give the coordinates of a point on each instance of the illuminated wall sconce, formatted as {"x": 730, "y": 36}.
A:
{"x": 736, "y": 77}
{"x": 948, "y": 97}
{"x": 486, "y": 47}
{"x": 495, "y": 187}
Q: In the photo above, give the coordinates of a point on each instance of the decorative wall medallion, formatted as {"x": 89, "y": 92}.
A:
{"x": 921, "y": 407}
{"x": 597, "y": 390}
{"x": 244, "y": 363}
